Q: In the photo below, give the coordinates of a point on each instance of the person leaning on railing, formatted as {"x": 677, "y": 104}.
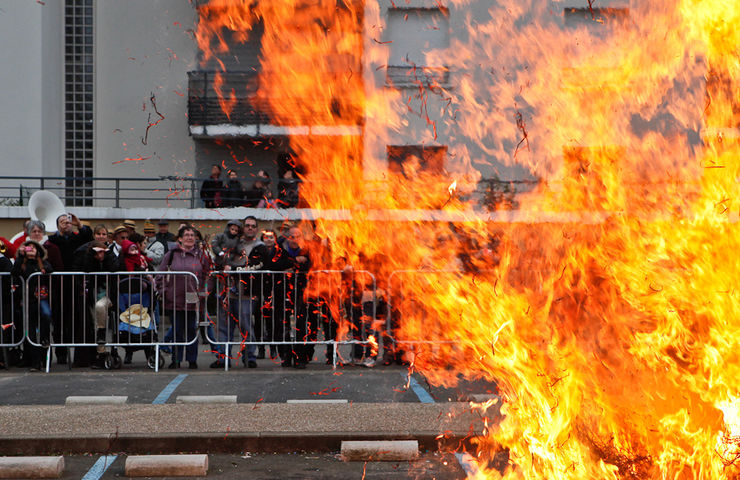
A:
{"x": 180, "y": 294}
{"x": 30, "y": 259}
{"x": 71, "y": 234}
{"x": 96, "y": 292}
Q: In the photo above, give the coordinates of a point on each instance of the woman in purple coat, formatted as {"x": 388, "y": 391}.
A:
{"x": 180, "y": 293}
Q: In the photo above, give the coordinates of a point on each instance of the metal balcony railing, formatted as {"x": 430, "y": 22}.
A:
{"x": 119, "y": 192}
{"x": 230, "y": 98}
{"x": 204, "y": 107}
{"x": 184, "y": 192}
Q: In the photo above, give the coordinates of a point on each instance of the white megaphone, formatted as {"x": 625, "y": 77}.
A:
{"x": 47, "y": 207}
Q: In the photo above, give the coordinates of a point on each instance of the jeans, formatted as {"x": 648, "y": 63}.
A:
{"x": 233, "y": 312}
{"x": 185, "y": 329}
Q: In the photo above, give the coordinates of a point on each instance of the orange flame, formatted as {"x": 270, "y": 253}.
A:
{"x": 604, "y": 306}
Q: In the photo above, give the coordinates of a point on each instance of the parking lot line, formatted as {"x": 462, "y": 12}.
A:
{"x": 169, "y": 389}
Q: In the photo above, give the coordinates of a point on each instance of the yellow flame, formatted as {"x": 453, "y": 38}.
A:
{"x": 605, "y": 308}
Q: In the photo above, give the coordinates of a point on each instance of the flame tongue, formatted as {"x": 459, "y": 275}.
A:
{"x": 607, "y": 313}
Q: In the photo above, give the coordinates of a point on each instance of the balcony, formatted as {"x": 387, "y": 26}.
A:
{"x": 247, "y": 115}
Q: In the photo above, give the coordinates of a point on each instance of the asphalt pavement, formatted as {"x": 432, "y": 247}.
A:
{"x": 262, "y": 429}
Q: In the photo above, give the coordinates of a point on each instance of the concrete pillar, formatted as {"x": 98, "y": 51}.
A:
{"x": 167, "y": 466}
{"x": 380, "y": 450}
{"x": 31, "y": 467}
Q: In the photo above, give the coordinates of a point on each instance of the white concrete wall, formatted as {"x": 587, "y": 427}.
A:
{"x": 21, "y": 75}
{"x": 143, "y": 47}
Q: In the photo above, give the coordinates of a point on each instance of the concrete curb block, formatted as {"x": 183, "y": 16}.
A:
{"x": 380, "y": 450}
{"x": 494, "y": 410}
{"x": 318, "y": 400}
{"x": 95, "y": 400}
{"x": 206, "y": 399}
{"x": 167, "y": 466}
{"x": 31, "y": 467}
{"x": 218, "y": 442}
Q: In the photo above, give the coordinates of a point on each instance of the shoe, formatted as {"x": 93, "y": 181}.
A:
{"x": 174, "y": 365}
{"x": 252, "y": 364}
{"x": 387, "y": 361}
{"x": 357, "y": 362}
{"x": 369, "y": 362}
{"x": 217, "y": 364}
{"x": 193, "y": 365}
{"x": 273, "y": 353}
{"x": 300, "y": 365}
{"x": 128, "y": 357}
{"x": 261, "y": 352}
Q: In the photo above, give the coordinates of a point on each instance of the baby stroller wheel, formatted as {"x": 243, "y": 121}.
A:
{"x": 117, "y": 362}
{"x": 150, "y": 361}
{"x": 108, "y": 361}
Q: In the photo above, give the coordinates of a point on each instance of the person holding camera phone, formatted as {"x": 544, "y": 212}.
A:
{"x": 71, "y": 235}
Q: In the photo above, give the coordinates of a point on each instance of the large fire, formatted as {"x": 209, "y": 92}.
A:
{"x": 605, "y": 307}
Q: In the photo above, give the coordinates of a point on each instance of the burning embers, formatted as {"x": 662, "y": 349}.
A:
{"x": 605, "y": 306}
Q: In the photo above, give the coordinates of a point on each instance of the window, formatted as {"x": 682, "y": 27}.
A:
{"x": 78, "y": 106}
{"x": 413, "y": 33}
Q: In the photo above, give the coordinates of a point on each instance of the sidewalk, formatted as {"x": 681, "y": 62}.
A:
{"x": 271, "y": 427}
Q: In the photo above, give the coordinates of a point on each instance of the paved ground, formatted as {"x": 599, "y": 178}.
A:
{"x": 293, "y": 466}
{"x": 261, "y": 436}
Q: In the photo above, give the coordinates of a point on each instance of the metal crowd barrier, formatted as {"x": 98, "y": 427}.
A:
{"x": 12, "y": 332}
{"x": 108, "y": 311}
{"x": 292, "y": 312}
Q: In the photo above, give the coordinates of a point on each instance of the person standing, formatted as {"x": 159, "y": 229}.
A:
{"x": 164, "y": 235}
{"x": 297, "y": 281}
{"x": 270, "y": 260}
{"x": 71, "y": 235}
{"x": 181, "y": 294}
{"x": 234, "y": 194}
{"x": 30, "y": 259}
{"x": 155, "y": 249}
{"x": 212, "y": 190}
{"x": 250, "y": 241}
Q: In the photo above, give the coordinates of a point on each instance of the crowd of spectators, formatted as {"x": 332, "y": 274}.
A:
{"x": 257, "y": 282}
{"x": 216, "y": 192}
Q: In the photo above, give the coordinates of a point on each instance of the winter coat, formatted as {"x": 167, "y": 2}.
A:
{"x": 229, "y": 250}
{"x": 178, "y": 291}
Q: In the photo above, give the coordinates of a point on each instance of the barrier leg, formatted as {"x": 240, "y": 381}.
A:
{"x": 48, "y": 359}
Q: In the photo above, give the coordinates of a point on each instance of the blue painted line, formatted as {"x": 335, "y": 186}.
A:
{"x": 423, "y": 395}
{"x": 99, "y": 468}
{"x": 471, "y": 470}
{"x": 102, "y": 464}
{"x": 169, "y": 389}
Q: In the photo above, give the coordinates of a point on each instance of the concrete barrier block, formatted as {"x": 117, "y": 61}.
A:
{"x": 167, "y": 466}
{"x": 95, "y": 400}
{"x": 483, "y": 397}
{"x": 380, "y": 450}
{"x": 206, "y": 399}
{"x": 31, "y": 467}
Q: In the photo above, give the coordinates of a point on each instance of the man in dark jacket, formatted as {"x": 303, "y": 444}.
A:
{"x": 71, "y": 235}
{"x": 212, "y": 190}
{"x": 68, "y": 240}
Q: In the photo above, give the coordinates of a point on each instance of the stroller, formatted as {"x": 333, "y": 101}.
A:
{"x": 138, "y": 317}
